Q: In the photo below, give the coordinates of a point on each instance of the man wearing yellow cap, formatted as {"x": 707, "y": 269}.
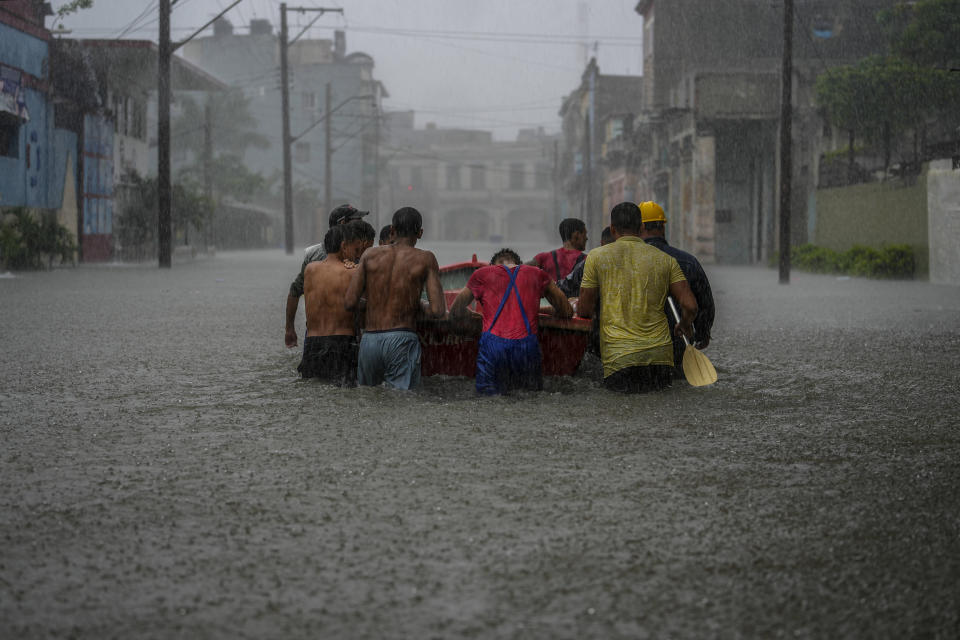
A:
{"x": 653, "y": 233}
{"x": 631, "y": 280}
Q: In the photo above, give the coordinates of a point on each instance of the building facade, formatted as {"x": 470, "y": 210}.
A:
{"x": 251, "y": 62}
{"x": 471, "y": 187}
{"x": 707, "y": 133}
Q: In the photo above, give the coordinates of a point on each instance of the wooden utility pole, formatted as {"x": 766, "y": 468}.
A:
{"x": 165, "y": 49}
{"x": 327, "y": 154}
{"x": 208, "y": 170}
{"x": 285, "y": 110}
{"x": 786, "y": 141}
{"x": 164, "y": 195}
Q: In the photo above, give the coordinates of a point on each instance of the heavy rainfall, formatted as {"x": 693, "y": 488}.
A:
{"x": 171, "y": 170}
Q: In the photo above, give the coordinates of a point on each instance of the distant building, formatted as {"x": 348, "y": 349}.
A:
{"x": 250, "y": 61}
{"x": 470, "y": 187}
{"x": 707, "y": 130}
{"x": 590, "y": 172}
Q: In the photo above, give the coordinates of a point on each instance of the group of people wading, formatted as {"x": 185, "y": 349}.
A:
{"x": 628, "y": 278}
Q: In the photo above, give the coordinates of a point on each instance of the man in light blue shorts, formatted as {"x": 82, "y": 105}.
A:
{"x": 392, "y": 277}
{"x": 390, "y": 357}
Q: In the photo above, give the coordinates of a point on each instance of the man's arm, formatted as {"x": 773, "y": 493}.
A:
{"x": 703, "y": 324}
{"x": 438, "y": 303}
{"x": 688, "y": 307}
{"x": 559, "y": 301}
{"x": 290, "y": 335}
{"x": 293, "y": 301}
{"x": 358, "y": 282}
{"x": 460, "y": 305}
{"x": 587, "y": 305}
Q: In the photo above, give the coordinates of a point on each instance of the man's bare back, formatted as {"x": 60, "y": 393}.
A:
{"x": 324, "y": 286}
{"x": 392, "y": 277}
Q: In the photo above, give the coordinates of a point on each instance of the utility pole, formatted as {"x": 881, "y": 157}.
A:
{"x": 376, "y": 164}
{"x": 285, "y": 109}
{"x": 327, "y": 154}
{"x": 208, "y": 170}
{"x": 165, "y": 49}
{"x": 786, "y": 141}
{"x": 164, "y": 195}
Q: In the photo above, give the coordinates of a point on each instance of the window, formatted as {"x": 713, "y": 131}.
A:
{"x": 416, "y": 179}
{"x": 478, "y": 177}
{"x": 516, "y": 175}
{"x": 453, "y": 177}
{"x": 301, "y": 152}
{"x": 542, "y": 176}
{"x": 9, "y": 135}
{"x": 309, "y": 100}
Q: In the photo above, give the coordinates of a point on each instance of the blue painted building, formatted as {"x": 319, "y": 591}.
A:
{"x": 38, "y": 158}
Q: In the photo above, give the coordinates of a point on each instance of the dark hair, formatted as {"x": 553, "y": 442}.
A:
{"x": 360, "y": 230}
{"x": 506, "y": 253}
{"x": 569, "y": 225}
{"x": 606, "y": 235}
{"x": 407, "y": 222}
{"x": 656, "y": 225}
{"x": 626, "y": 217}
{"x": 385, "y": 234}
{"x": 334, "y": 239}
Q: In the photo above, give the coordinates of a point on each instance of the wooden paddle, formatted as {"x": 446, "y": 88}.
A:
{"x": 697, "y": 367}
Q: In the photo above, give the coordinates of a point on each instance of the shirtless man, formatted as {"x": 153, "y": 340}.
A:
{"x": 330, "y": 347}
{"x": 392, "y": 277}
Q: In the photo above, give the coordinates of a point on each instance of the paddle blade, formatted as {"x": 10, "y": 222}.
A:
{"x": 697, "y": 367}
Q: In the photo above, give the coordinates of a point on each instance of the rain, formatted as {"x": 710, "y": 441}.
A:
{"x": 166, "y": 472}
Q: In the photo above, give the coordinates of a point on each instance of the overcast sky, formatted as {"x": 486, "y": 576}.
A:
{"x": 497, "y": 65}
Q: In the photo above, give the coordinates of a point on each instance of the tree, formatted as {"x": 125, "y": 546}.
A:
{"x": 926, "y": 32}
{"x": 71, "y": 7}
{"x": 233, "y": 127}
{"x": 880, "y": 98}
{"x": 136, "y": 225}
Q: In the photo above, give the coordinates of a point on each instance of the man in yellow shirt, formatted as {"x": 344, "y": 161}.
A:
{"x": 630, "y": 280}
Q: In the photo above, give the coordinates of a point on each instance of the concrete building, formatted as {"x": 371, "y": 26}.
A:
{"x": 470, "y": 187}
{"x": 707, "y": 132}
{"x": 589, "y": 170}
{"x": 38, "y": 154}
{"x": 250, "y": 61}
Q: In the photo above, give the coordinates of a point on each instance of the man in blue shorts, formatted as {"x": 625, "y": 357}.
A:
{"x": 509, "y": 295}
{"x": 392, "y": 277}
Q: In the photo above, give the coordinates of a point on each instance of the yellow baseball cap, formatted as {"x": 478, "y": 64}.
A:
{"x": 651, "y": 212}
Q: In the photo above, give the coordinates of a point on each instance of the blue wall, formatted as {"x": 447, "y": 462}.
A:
{"x": 35, "y": 177}
{"x": 23, "y": 51}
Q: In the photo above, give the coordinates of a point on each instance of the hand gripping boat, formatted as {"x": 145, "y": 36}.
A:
{"x": 450, "y": 348}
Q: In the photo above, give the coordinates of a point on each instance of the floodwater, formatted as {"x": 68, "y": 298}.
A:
{"x": 163, "y": 473}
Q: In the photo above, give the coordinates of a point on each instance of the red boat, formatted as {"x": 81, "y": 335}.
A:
{"x": 452, "y": 350}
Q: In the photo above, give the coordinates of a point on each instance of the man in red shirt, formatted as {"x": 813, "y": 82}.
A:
{"x": 509, "y": 295}
{"x": 560, "y": 262}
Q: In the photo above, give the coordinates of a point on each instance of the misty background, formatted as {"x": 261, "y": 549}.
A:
{"x": 499, "y": 66}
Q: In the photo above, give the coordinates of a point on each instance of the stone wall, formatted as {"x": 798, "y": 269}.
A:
{"x": 875, "y": 215}
{"x": 943, "y": 201}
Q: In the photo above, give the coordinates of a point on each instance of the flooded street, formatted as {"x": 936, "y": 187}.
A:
{"x": 164, "y": 473}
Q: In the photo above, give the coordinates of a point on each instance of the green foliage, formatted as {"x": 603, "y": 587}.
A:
{"x": 881, "y": 97}
{"x": 926, "y": 32}
{"x": 27, "y": 242}
{"x": 892, "y": 261}
{"x": 72, "y": 7}
{"x": 137, "y": 221}
{"x": 229, "y": 177}
{"x": 233, "y": 128}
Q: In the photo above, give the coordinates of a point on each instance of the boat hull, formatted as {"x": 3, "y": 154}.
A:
{"x": 450, "y": 348}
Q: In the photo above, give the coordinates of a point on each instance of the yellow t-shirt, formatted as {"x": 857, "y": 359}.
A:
{"x": 634, "y": 280}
